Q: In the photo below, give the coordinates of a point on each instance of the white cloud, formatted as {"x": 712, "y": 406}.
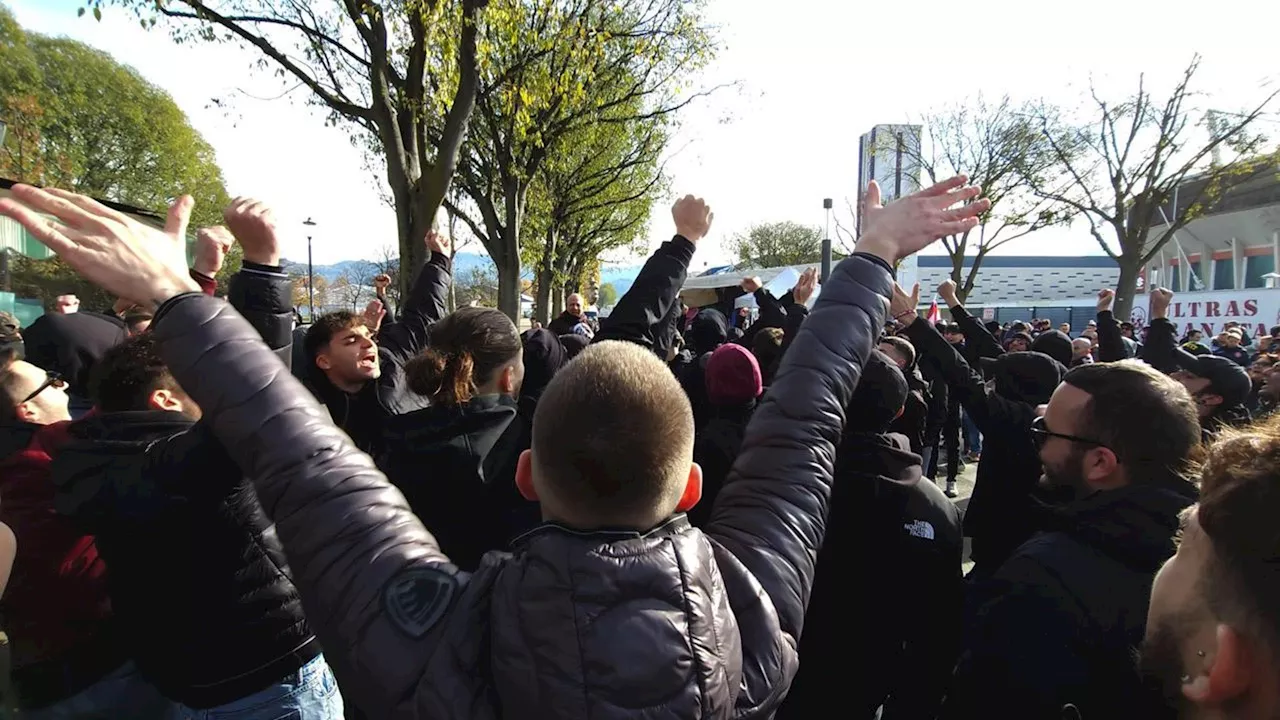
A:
{"x": 815, "y": 75}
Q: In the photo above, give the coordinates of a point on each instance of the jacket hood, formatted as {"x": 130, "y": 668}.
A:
{"x": 1029, "y": 377}
{"x": 1055, "y": 344}
{"x": 708, "y": 331}
{"x": 138, "y": 426}
{"x": 472, "y": 429}
{"x": 544, "y": 355}
{"x": 887, "y": 457}
{"x": 1135, "y": 524}
{"x": 642, "y": 619}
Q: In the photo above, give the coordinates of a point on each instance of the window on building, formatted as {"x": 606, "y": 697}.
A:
{"x": 1224, "y": 274}
{"x": 1255, "y": 266}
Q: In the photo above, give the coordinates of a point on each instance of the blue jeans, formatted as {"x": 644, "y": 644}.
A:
{"x": 972, "y": 436}
{"x": 311, "y": 693}
{"x": 121, "y": 694}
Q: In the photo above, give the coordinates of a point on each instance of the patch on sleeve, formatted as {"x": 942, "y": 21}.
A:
{"x": 417, "y": 598}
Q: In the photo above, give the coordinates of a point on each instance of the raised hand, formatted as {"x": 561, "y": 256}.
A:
{"x": 692, "y": 217}
{"x": 947, "y": 291}
{"x": 254, "y": 226}
{"x": 1161, "y": 298}
{"x": 110, "y": 249}
{"x": 911, "y": 224}
{"x": 373, "y": 314}
{"x": 381, "y": 282}
{"x": 1106, "y": 299}
{"x": 805, "y": 286}
{"x": 212, "y": 245}
{"x": 437, "y": 244}
{"x": 902, "y": 307}
{"x": 751, "y": 284}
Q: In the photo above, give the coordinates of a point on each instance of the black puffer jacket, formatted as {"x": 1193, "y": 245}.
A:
{"x": 711, "y": 621}
{"x": 198, "y": 580}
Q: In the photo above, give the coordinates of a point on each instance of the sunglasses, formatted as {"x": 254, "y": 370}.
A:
{"x": 52, "y": 379}
{"x": 1041, "y": 434}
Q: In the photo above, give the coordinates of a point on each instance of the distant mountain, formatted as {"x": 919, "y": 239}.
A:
{"x": 621, "y": 276}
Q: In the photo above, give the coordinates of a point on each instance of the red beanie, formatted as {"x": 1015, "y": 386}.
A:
{"x": 733, "y": 376}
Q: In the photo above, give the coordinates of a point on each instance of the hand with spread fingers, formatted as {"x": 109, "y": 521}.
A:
{"x": 805, "y": 286}
{"x": 902, "y": 307}
{"x": 909, "y": 225}
{"x": 110, "y": 249}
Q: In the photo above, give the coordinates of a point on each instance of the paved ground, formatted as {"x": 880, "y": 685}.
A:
{"x": 964, "y": 488}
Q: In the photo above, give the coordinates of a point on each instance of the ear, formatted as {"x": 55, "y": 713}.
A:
{"x": 524, "y": 477}
{"x": 900, "y": 411}
{"x": 1103, "y": 464}
{"x": 25, "y": 412}
{"x": 164, "y": 400}
{"x": 1230, "y": 674}
{"x": 1211, "y": 400}
{"x": 323, "y": 362}
{"x": 692, "y": 489}
{"x": 507, "y": 381}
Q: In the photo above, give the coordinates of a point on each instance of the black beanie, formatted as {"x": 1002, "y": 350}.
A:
{"x": 1055, "y": 344}
{"x": 880, "y": 395}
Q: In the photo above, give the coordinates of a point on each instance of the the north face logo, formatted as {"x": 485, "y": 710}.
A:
{"x": 416, "y": 599}
{"x": 920, "y": 529}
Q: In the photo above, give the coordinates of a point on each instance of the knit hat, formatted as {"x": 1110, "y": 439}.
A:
{"x": 879, "y": 397}
{"x": 733, "y": 376}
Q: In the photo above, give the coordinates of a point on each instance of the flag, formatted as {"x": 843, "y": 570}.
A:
{"x": 933, "y": 316}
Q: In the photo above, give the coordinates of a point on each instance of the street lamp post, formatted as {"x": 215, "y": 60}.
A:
{"x": 311, "y": 276}
{"x": 826, "y": 241}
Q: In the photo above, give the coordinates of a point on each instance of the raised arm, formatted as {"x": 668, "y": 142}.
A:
{"x": 639, "y": 314}
{"x": 976, "y": 335}
{"x": 373, "y": 581}
{"x": 771, "y": 514}
{"x": 422, "y": 307}
{"x": 1110, "y": 341}
{"x": 1161, "y": 350}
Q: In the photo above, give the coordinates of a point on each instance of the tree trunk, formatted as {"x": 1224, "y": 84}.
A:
{"x": 546, "y": 280}
{"x": 1130, "y": 266}
{"x": 557, "y": 300}
{"x": 509, "y": 263}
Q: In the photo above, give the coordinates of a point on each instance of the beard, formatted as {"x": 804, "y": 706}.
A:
{"x": 1067, "y": 478}
{"x": 1161, "y": 666}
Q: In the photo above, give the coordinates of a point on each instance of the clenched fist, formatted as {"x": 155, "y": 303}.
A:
{"x": 254, "y": 226}
{"x": 947, "y": 291}
{"x": 692, "y": 217}
{"x": 1106, "y": 298}
{"x": 212, "y": 245}
{"x": 437, "y": 244}
{"x": 1160, "y": 301}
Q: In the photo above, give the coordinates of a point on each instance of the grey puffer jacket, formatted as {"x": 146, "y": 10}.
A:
{"x": 673, "y": 623}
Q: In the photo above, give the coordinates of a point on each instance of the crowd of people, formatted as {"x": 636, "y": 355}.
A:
{"x": 209, "y": 512}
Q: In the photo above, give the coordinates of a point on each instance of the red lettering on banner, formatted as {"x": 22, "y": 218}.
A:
{"x": 1206, "y": 328}
{"x": 1250, "y": 308}
{"x": 1211, "y": 309}
{"x": 1233, "y": 309}
{"x": 1260, "y": 331}
{"x": 1195, "y": 309}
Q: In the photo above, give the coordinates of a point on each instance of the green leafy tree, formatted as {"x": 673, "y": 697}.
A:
{"x": 608, "y": 295}
{"x": 549, "y": 70}
{"x": 79, "y": 120}
{"x": 365, "y": 63}
{"x": 777, "y": 244}
{"x": 1142, "y": 169}
{"x": 593, "y": 195}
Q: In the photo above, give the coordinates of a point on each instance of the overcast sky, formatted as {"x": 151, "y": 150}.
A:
{"x": 813, "y": 75}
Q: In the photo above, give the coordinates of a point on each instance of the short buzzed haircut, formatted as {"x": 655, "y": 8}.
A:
{"x": 613, "y": 438}
{"x": 1145, "y": 417}
{"x": 902, "y": 348}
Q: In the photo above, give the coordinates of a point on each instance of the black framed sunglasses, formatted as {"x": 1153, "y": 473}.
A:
{"x": 51, "y": 379}
{"x": 1041, "y": 435}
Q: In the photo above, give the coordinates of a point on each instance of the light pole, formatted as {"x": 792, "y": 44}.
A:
{"x": 311, "y": 276}
{"x": 826, "y": 241}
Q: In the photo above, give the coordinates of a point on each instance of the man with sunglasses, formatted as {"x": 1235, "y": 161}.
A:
{"x": 67, "y": 657}
{"x": 1053, "y": 632}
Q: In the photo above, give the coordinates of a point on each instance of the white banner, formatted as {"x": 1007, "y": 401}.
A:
{"x": 1257, "y": 310}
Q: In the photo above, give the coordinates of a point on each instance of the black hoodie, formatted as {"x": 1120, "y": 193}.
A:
{"x": 456, "y": 467}
{"x": 888, "y": 591}
{"x": 708, "y": 331}
{"x": 1060, "y": 622}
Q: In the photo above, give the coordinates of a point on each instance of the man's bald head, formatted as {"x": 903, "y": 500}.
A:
{"x": 612, "y": 440}
{"x": 574, "y": 305}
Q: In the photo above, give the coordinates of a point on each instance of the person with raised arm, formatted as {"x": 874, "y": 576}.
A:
{"x": 683, "y": 624}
